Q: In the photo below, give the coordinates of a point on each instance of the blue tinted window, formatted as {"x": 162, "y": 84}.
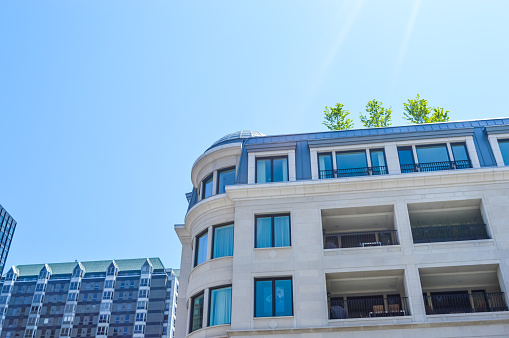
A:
{"x": 264, "y": 232}
{"x": 459, "y": 152}
{"x": 196, "y": 313}
{"x": 263, "y": 171}
{"x": 225, "y": 177}
{"x": 405, "y": 156}
{"x": 272, "y": 231}
{"x": 504, "y": 149}
{"x": 223, "y": 241}
{"x": 281, "y": 231}
{"x": 351, "y": 160}
{"x": 280, "y": 170}
{"x": 273, "y": 297}
{"x": 377, "y": 158}
{"x": 201, "y": 249}
{"x": 434, "y": 153}
{"x": 207, "y": 187}
{"x": 325, "y": 161}
{"x": 220, "y": 306}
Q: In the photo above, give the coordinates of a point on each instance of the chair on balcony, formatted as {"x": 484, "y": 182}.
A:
{"x": 378, "y": 311}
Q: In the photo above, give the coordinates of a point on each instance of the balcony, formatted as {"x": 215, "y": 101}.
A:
{"x": 435, "y": 166}
{"x": 368, "y": 307}
{"x": 358, "y": 227}
{"x": 462, "y": 289}
{"x": 464, "y": 302}
{"x": 360, "y": 239}
{"x": 367, "y": 294}
{"x": 448, "y": 221}
{"x": 353, "y": 172}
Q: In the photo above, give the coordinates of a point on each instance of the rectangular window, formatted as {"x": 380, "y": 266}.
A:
{"x": 207, "y": 186}
{"x": 144, "y": 282}
{"x": 461, "y": 159}
{"x": 274, "y": 169}
{"x": 196, "y": 321}
{"x": 273, "y": 297}
{"x": 272, "y": 231}
{"x": 406, "y": 159}
{"x": 200, "y": 254}
{"x": 352, "y": 163}
{"x": 223, "y": 241}
{"x": 220, "y": 306}
{"x": 108, "y": 284}
{"x": 325, "y": 168}
{"x": 225, "y": 177}
{"x": 504, "y": 149}
{"x": 143, "y": 294}
{"x": 432, "y": 153}
{"x": 378, "y": 161}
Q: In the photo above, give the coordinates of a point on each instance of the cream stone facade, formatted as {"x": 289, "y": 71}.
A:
{"x": 391, "y": 248}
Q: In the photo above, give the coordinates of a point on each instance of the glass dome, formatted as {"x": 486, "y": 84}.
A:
{"x": 238, "y": 135}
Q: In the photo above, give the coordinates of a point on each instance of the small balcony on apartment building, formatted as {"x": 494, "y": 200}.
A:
{"x": 366, "y": 294}
{"x": 447, "y": 221}
{"x": 358, "y": 227}
{"x": 462, "y": 289}
{"x": 364, "y": 162}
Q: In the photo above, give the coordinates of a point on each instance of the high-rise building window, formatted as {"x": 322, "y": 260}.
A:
{"x": 225, "y": 177}
{"x": 207, "y": 187}
{"x": 273, "y": 297}
{"x": 220, "y": 306}
{"x": 272, "y": 231}
{"x": 432, "y": 153}
{"x": 201, "y": 248}
{"x": 273, "y": 169}
{"x": 223, "y": 241}
{"x": 196, "y": 321}
{"x": 325, "y": 167}
{"x": 504, "y": 149}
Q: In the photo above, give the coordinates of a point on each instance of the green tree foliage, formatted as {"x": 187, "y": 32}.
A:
{"x": 418, "y": 111}
{"x": 336, "y": 118}
{"x": 378, "y": 115}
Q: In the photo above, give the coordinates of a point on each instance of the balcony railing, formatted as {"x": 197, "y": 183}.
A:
{"x": 465, "y": 303}
{"x": 365, "y": 171}
{"x": 368, "y": 307}
{"x": 360, "y": 239}
{"x": 449, "y": 233}
{"x": 435, "y": 166}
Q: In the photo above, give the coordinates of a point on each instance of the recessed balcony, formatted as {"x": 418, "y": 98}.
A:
{"x": 435, "y": 166}
{"x": 447, "y": 221}
{"x": 463, "y": 289}
{"x": 358, "y": 227}
{"x": 369, "y": 294}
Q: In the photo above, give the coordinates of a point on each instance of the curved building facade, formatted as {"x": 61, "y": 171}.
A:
{"x": 386, "y": 231}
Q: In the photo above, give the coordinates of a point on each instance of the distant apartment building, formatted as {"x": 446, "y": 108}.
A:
{"x": 7, "y": 227}
{"x": 125, "y": 297}
{"x": 382, "y": 232}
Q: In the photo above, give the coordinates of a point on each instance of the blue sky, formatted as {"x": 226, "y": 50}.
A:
{"x": 105, "y": 105}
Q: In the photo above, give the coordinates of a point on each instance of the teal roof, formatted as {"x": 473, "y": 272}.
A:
{"x": 90, "y": 267}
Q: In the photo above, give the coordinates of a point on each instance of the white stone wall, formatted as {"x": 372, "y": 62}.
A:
{"x": 308, "y": 263}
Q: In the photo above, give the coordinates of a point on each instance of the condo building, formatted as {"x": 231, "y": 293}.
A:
{"x": 7, "y": 227}
{"x": 387, "y": 232}
{"x": 125, "y": 297}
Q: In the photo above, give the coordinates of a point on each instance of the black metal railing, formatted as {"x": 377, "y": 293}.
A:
{"x": 449, "y": 233}
{"x": 360, "y": 239}
{"x": 435, "y": 166}
{"x": 465, "y": 303}
{"x": 368, "y": 307}
{"x": 353, "y": 172}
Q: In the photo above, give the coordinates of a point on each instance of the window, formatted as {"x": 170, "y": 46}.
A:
{"x": 207, "y": 187}
{"x": 406, "y": 159}
{"x": 126, "y": 320}
{"x": 274, "y": 169}
{"x": 201, "y": 248}
{"x": 504, "y": 149}
{"x": 108, "y": 284}
{"x": 142, "y": 305}
{"x": 352, "y": 163}
{"x": 104, "y": 318}
{"x": 432, "y": 153}
{"x": 220, "y": 306}
{"x": 74, "y": 286}
{"x": 378, "y": 161}
{"x": 122, "y": 285}
{"x": 40, "y": 287}
{"x": 223, "y": 241}
{"x": 325, "y": 168}
{"x": 273, "y": 297}
{"x": 143, "y": 294}
{"x": 139, "y": 328}
{"x": 144, "y": 282}
{"x": 140, "y": 317}
{"x": 196, "y": 321}
{"x": 107, "y": 295}
{"x": 101, "y": 330}
{"x": 105, "y": 306}
{"x": 225, "y": 177}
{"x": 72, "y": 296}
{"x": 272, "y": 231}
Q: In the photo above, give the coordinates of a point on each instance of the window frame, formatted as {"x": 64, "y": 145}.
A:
{"x": 272, "y": 158}
{"x": 214, "y": 238}
{"x": 273, "y": 280}
{"x": 211, "y": 177}
{"x": 503, "y": 139}
{"x": 325, "y": 153}
{"x": 219, "y": 171}
{"x": 210, "y": 303}
{"x": 272, "y": 229}
{"x": 191, "y": 310}
{"x": 197, "y": 246}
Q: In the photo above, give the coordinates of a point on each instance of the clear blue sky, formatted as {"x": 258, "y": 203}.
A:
{"x": 105, "y": 105}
